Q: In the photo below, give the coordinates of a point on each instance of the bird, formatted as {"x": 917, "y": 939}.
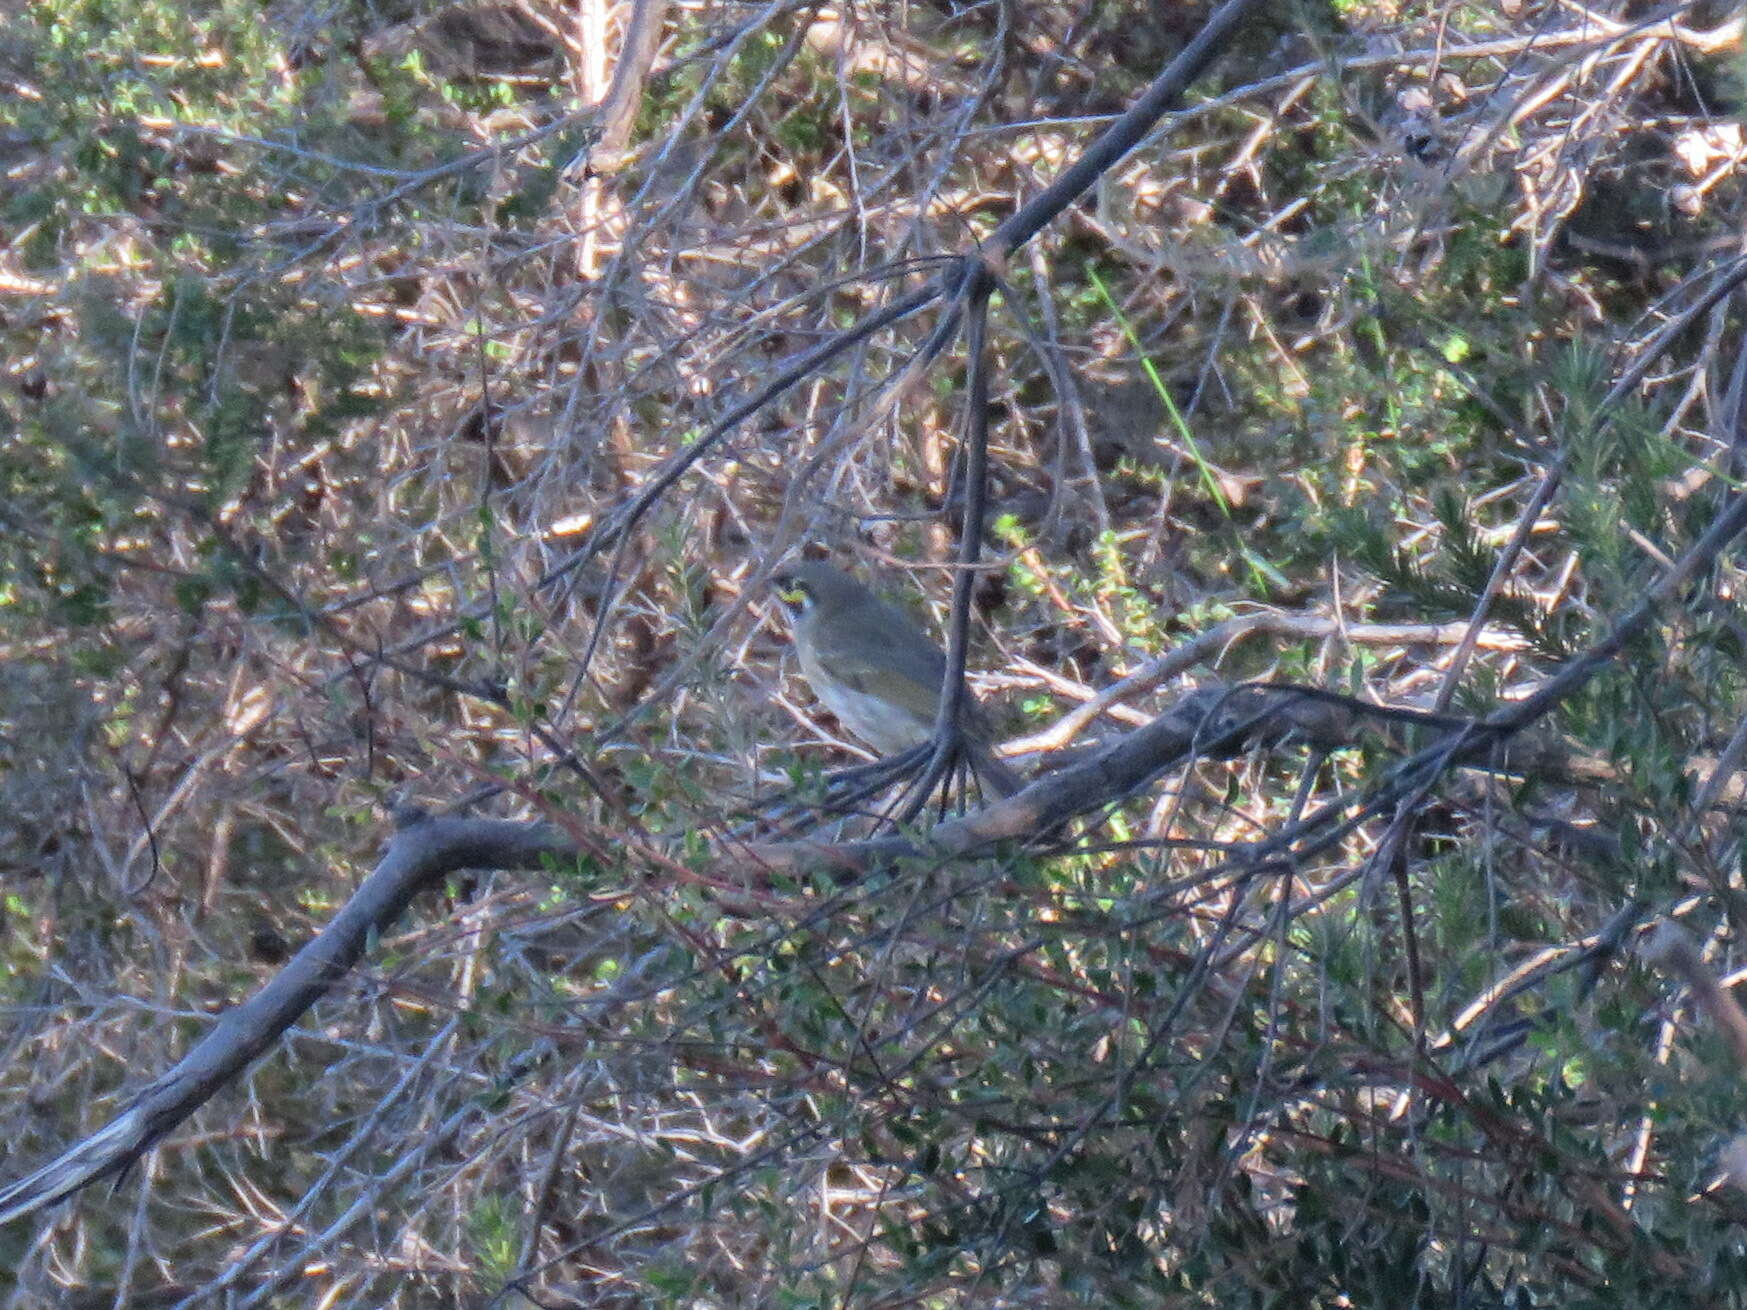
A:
{"x": 875, "y": 669}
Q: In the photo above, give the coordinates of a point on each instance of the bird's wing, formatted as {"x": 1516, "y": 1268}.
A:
{"x": 904, "y": 651}
{"x": 911, "y": 654}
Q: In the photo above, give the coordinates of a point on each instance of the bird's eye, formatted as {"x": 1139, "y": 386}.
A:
{"x": 791, "y": 592}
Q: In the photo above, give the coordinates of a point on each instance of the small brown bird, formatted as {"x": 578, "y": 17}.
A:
{"x": 875, "y": 669}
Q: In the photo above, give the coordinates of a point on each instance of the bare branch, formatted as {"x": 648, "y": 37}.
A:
{"x": 423, "y": 851}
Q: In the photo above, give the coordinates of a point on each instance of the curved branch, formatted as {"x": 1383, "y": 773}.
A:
{"x": 426, "y": 849}
{"x": 423, "y": 852}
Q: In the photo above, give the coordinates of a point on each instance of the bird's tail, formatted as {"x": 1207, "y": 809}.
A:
{"x": 992, "y": 773}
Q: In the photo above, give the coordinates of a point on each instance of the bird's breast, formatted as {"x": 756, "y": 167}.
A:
{"x": 886, "y": 725}
{"x": 888, "y": 728}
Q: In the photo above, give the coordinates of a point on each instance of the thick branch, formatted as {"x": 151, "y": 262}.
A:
{"x": 1209, "y": 723}
{"x": 420, "y": 855}
{"x": 619, "y": 109}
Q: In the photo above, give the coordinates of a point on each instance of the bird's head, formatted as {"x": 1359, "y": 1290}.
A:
{"x": 806, "y": 586}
